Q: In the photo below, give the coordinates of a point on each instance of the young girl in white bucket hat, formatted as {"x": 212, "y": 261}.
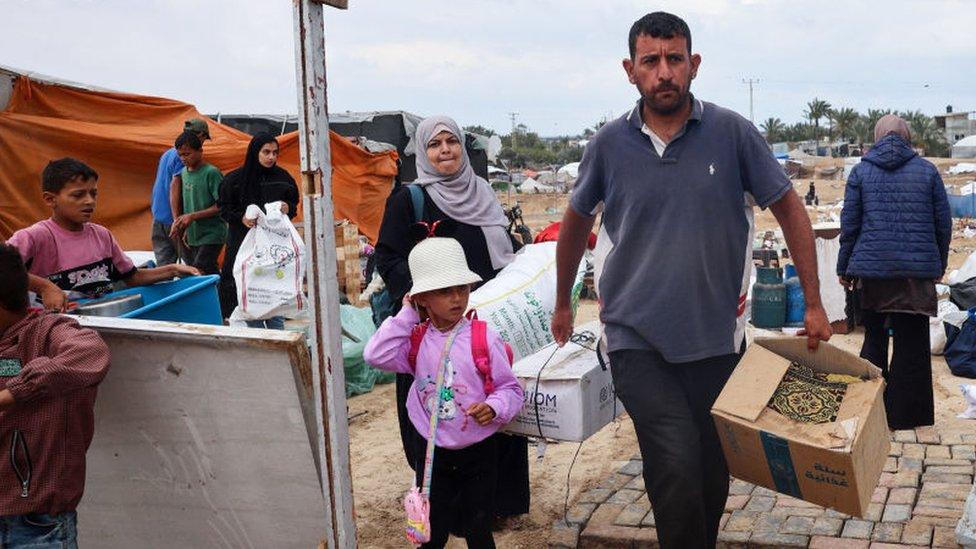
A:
{"x": 459, "y": 397}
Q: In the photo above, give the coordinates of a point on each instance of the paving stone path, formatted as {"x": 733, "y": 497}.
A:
{"x": 925, "y": 482}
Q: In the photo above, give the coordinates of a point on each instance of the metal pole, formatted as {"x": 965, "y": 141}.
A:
{"x": 328, "y": 373}
{"x": 751, "y": 81}
{"x": 513, "y": 115}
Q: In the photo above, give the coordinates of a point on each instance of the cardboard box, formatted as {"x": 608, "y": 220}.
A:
{"x": 835, "y": 464}
{"x": 574, "y": 395}
{"x": 348, "y": 269}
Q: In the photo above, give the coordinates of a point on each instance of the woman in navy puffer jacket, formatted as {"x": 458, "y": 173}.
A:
{"x": 894, "y": 247}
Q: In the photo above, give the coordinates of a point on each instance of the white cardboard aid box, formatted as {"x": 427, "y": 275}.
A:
{"x": 573, "y": 396}
{"x": 835, "y": 464}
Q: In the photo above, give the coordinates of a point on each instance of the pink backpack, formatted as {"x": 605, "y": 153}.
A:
{"x": 479, "y": 348}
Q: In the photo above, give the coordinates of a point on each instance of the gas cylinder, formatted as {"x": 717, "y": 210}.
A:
{"x": 795, "y": 306}
{"x": 768, "y": 298}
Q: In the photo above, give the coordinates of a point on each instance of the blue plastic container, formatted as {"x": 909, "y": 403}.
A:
{"x": 796, "y": 307}
{"x": 192, "y": 299}
{"x": 962, "y": 205}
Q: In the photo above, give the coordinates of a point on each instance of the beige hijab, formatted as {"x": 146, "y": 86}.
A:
{"x": 463, "y": 196}
{"x": 890, "y": 123}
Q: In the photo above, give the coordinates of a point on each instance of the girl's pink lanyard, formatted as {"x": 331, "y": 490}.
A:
{"x": 445, "y": 363}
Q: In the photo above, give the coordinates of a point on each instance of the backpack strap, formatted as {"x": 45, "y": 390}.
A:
{"x": 417, "y": 199}
{"x": 480, "y": 353}
{"x": 416, "y": 337}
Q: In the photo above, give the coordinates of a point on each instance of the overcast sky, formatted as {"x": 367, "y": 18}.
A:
{"x": 555, "y": 62}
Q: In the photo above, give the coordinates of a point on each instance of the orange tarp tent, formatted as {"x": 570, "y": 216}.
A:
{"x": 121, "y": 136}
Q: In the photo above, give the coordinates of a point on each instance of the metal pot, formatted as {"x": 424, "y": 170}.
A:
{"x": 109, "y": 306}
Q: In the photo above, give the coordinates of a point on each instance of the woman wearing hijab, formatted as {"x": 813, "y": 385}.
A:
{"x": 259, "y": 181}
{"x": 452, "y": 191}
{"x": 894, "y": 247}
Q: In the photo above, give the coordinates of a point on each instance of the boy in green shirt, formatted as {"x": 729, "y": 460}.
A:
{"x": 194, "y": 202}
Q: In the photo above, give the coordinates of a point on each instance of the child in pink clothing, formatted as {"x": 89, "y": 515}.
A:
{"x": 78, "y": 256}
{"x": 465, "y": 460}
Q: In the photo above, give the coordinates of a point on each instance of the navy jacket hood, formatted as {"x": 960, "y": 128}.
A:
{"x": 890, "y": 153}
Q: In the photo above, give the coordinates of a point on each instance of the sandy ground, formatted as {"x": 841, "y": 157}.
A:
{"x": 381, "y": 476}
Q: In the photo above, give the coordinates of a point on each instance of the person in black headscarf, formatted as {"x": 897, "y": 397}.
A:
{"x": 259, "y": 181}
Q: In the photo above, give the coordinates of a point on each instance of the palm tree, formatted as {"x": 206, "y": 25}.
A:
{"x": 843, "y": 121}
{"x": 925, "y": 134}
{"x": 797, "y": 132}
{"x": 774, "y": 129}
{"x": 816, "y": 109}
{"x": 863, "y": 131}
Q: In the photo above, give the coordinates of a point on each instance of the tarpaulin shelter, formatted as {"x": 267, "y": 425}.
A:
{"x": 122, "y": 135}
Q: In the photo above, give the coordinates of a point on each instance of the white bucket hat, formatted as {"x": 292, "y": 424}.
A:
{"x": 437, "y": 263}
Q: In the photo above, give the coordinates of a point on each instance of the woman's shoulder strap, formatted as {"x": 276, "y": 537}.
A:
{"x": 417, "y": 199}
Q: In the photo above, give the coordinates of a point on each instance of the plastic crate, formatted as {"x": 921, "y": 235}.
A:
{"x": 192, "y": 299}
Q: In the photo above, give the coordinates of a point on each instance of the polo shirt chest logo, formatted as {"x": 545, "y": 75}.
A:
{"x": 711, "y": 169}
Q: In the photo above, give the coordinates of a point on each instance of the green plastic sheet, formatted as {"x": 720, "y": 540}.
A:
{"x": 360, "y": 376}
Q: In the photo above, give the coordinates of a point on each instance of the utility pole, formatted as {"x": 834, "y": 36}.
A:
{"x": 513, "y": 116}
{"x": 328, "y": 378}
{"x": 751, "y": 81}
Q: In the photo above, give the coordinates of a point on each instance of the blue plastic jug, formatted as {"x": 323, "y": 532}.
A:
{"x": 795, "y": 305}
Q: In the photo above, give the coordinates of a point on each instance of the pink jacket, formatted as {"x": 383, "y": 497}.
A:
{"x": 388, "y": 350}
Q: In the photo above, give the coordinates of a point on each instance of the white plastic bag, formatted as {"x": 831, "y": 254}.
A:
{"x": 831, "y": 292}
{"x": 969, "y": 393}
{"x": 518, "y": 303}
{"x": 964, "y": 273}
{"x": 937, "y": 333}
{"x": 269, "y": 267}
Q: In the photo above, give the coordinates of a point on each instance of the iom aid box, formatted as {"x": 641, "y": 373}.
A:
{"x": 835, "y": 464}
{"x": 572, "y": 397}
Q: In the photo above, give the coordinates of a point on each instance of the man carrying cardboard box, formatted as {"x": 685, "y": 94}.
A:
{"x": 677, "y": 179}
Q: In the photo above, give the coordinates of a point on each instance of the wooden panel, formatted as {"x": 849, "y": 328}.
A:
{"x": 328, "y": 374}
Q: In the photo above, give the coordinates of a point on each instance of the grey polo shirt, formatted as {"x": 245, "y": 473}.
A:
{"x": 679, "y": 225}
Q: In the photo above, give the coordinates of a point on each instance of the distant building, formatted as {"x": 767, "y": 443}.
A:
{"x": 956, "y": 125}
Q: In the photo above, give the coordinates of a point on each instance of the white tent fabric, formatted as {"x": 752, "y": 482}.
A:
{"x": 568, "y": 173}
{"x": 962, "y": 167}
{"x": 965, "y": 148}
{"x": 546, "y": 177}
{"x": 532, "y": 186}
{"x": 849, "y": 164}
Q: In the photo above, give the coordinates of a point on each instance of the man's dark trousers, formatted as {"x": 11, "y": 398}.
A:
{"x": 685, "y": 474}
